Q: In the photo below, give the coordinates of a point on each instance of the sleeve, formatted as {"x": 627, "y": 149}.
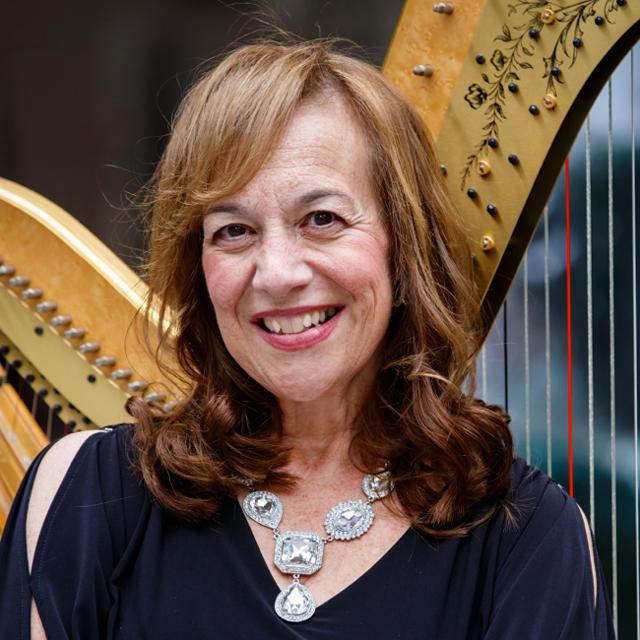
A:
{"x": 83, "y": 539}
{"x": 15, "y": 595}
{"x": 544, "y": 587}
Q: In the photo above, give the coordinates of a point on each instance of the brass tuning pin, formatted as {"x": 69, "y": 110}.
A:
{"x": 487, "y": 243}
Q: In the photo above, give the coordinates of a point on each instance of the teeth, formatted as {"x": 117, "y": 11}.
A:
{"x": 286, "y": 325}
{"x": 297, "y": 324}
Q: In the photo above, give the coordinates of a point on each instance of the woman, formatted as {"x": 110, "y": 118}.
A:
{"x": 327, "y": 475}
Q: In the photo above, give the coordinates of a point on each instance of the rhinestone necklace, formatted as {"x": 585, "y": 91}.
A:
{"x": 300, "y": 553}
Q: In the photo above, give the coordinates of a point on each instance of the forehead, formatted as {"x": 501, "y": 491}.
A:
{"x": 323, "y": 142}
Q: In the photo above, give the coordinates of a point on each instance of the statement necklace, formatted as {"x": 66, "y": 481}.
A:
{"x": 300, "y": 553}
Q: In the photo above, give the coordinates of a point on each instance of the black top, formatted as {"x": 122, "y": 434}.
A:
{"x": 112, "y": 564}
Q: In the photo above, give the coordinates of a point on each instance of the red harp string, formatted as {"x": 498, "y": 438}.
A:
{"x": 567, "y": 217}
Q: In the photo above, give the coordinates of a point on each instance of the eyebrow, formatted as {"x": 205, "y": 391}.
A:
{"x": 304, "y": 199}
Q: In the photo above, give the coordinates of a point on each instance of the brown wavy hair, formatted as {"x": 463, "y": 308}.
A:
{"x": 448, "y": 452}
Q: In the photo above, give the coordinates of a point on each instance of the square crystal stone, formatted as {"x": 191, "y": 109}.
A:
{"x": 299, "y": 552}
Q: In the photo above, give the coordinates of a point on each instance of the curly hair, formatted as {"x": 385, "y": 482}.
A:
{"x": 447, "y": 451}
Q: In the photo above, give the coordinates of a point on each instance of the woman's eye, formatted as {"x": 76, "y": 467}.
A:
{"x": 322, "y": 218}
{"x": 231, "y": 231}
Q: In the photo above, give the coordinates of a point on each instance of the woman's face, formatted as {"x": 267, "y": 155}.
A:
{"x": 296, "y": 263}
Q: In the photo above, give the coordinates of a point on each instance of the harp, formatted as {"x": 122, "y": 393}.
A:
{"x": 504, "y": 86}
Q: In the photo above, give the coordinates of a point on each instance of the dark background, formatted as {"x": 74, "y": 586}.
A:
{"x": 88, "y": 88}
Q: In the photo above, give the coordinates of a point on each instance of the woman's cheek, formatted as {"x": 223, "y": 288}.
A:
{"x": 223, "y": 276}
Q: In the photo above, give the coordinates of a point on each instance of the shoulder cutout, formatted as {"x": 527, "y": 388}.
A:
{"x": 48, "y": 479}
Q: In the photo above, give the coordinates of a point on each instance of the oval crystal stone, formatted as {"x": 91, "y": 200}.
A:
{"x": 264, "y": 507}
{"x": 295, "y": 603}
{"x": 349, "y": 520}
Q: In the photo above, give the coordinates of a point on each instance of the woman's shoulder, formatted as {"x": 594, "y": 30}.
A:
{"x": 548, "y": 546}
{"x": 88, "y": 467}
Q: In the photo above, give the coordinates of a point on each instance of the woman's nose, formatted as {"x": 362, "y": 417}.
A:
{"x": 281, "y": 267}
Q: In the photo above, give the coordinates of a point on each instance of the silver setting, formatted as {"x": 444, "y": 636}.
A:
{"x": 19, "y": 281}
{"x": 32, "y": 293}
{"x": 105, "y": 361}
{"x": 264, "y": 507}
{"x": 89, "y": 347}
{"x": 377, "y": 486}
{"x": 295, "y": 603}
{"x": 348, "y": 520}
{"x": 7, "y": 270}
{"x": 299, "y": 552}
{"x": 60, "y": 321}
{"x": 121, "y": 374}
{"x": 137, "y": 385}
{"x": 443, "y": 7}
{"x": 75, "y": 333}
{"x": 425, "y": 70}
{"x": 46, "y": 306}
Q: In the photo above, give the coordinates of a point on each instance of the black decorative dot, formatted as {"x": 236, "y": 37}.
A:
{"x": 472, "y": 193}
{"x": 513, "y": 87}
{"x": 86, "y": 420}
{"x": 513, "y": 159}
{"x": 555, "y": 71}
{"x": 16, "y": 364}
{"x": 29, "y": 378}
{"x": 621, "y": 3}
{"x": 533, "y": 110}
{"x": 91, "y": 378}
{"x": 534, "y": 33}
{"x": 57, "y": 408}
{"x": 39, "y": 330}
{"x": 480, "y": 59}
{"x": 493, "y": 143}
{"x": 43, "y": 392}
{"x": 492, "y": 209}
{"x": 577, "y": 43}
{"x": 71, "y": 424}
{"x": 4, "y": 349}
{"x": 599, "y": 20}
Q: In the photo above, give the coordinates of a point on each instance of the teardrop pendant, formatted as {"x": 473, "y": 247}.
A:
{"x": 295, "y": 603}
{"x": 264, "y": 507}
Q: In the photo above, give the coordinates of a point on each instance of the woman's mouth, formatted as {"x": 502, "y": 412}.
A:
{"x": 300, "y": 323}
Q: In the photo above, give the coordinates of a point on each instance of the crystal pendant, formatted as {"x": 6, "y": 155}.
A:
{"x": 349, "y": 520}
{"x": 295, "y": 603}
{"x": 264, "y": 507}
{"x": 377, "y": 486}
{"x": 299, "y": 552}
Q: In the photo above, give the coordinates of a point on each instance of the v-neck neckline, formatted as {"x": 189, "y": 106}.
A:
{"x": 268, "y": 579}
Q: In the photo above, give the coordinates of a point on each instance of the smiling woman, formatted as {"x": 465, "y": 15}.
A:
{"x": 323, "y": 319}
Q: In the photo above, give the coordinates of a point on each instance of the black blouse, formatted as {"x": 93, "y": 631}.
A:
{"x": 112, "y": 564}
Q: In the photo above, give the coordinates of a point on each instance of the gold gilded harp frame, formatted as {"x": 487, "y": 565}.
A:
{"x": 503, "y": 85}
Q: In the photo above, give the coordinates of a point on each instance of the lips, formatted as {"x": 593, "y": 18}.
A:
{"x": 298, "y": 323}
{"x": 300, "y": 330}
